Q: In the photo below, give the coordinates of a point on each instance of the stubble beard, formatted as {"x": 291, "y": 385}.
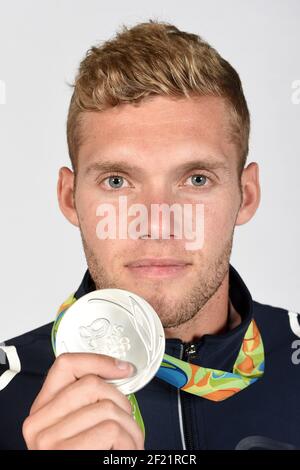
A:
{"x": 173, "y": 310}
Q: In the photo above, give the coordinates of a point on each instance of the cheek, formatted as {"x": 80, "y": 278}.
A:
{"x": 219, "y": 219}
{"x": 109, "y": 250}
{"x": 86, "y": 206}
{"x": 87, "y": 217}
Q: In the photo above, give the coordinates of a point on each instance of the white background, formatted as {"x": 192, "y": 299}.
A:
{"x": 41, "y": 45}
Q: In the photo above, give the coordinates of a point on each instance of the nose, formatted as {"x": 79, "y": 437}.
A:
{"x": 162, "y": 215}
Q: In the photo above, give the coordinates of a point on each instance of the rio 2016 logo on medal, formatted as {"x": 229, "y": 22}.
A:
{"x": 117, "y": 323}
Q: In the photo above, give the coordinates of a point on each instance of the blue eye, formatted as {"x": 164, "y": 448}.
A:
{"x": 114, "y": 182}
{"x": 198, "y": 180}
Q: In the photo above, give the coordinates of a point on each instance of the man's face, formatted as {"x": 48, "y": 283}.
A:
{"x": 155, "y": 140}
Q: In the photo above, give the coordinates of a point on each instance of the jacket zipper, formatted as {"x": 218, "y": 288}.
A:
{"x": 185, "y": 412}
{"x": 180, "y": 406}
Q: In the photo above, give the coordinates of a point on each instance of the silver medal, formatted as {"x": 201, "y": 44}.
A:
{"x": 117, "y": 323}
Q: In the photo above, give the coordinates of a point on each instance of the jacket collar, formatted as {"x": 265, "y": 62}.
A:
{"x": 217, "y": 351}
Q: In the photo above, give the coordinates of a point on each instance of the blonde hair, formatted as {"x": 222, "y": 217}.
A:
{"x": 155, "y": 58}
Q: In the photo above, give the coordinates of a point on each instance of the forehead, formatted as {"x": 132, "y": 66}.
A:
{"x": 155, "y": 126}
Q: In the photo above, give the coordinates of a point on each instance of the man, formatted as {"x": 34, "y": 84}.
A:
{"x": 158, "y": 116}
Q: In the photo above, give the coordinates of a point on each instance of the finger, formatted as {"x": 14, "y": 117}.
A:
{"x": 86, "y": 418}
{"x": 107, "y": 435}
{"x": 85, "y": 391}
{"x": 70, "y": 367}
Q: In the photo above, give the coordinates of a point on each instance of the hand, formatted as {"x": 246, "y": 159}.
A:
{"x": 77, "y": 409}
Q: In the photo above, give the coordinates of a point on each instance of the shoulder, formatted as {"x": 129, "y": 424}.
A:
{"x": 277, "y": 316}
{"x": 278, "y": 325}
{"x": 24, "y": 363}
{"x": 30, "y": 352}
{"x": 29, "y": 336}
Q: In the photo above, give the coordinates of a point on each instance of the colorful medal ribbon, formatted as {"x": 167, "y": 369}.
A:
{"x": 213, "y": 384}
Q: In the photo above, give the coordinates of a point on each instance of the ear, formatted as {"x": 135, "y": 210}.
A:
{"x": 66, "y": 196}
{"x": 251, "y": 193}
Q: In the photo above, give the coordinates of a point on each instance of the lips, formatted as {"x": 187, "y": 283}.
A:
{"x": 164, "y": 262}
{"x": 158, "y": 268}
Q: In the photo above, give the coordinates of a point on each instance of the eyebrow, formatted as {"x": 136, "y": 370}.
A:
{"x": 127, "y": 168}
{"x": 111, "y": 166}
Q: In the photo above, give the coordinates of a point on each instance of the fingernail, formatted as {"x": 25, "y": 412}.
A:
{"x": 124, "y": 365}
{"x": 133, "y": 370}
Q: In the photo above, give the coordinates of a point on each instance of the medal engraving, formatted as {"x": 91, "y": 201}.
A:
{"x": 104, "y": 338}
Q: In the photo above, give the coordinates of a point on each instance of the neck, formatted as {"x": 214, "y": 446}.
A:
{"x": 215, "y": 317}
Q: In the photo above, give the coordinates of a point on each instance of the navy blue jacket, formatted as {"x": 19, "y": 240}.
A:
{"x": 264, "y": 415}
